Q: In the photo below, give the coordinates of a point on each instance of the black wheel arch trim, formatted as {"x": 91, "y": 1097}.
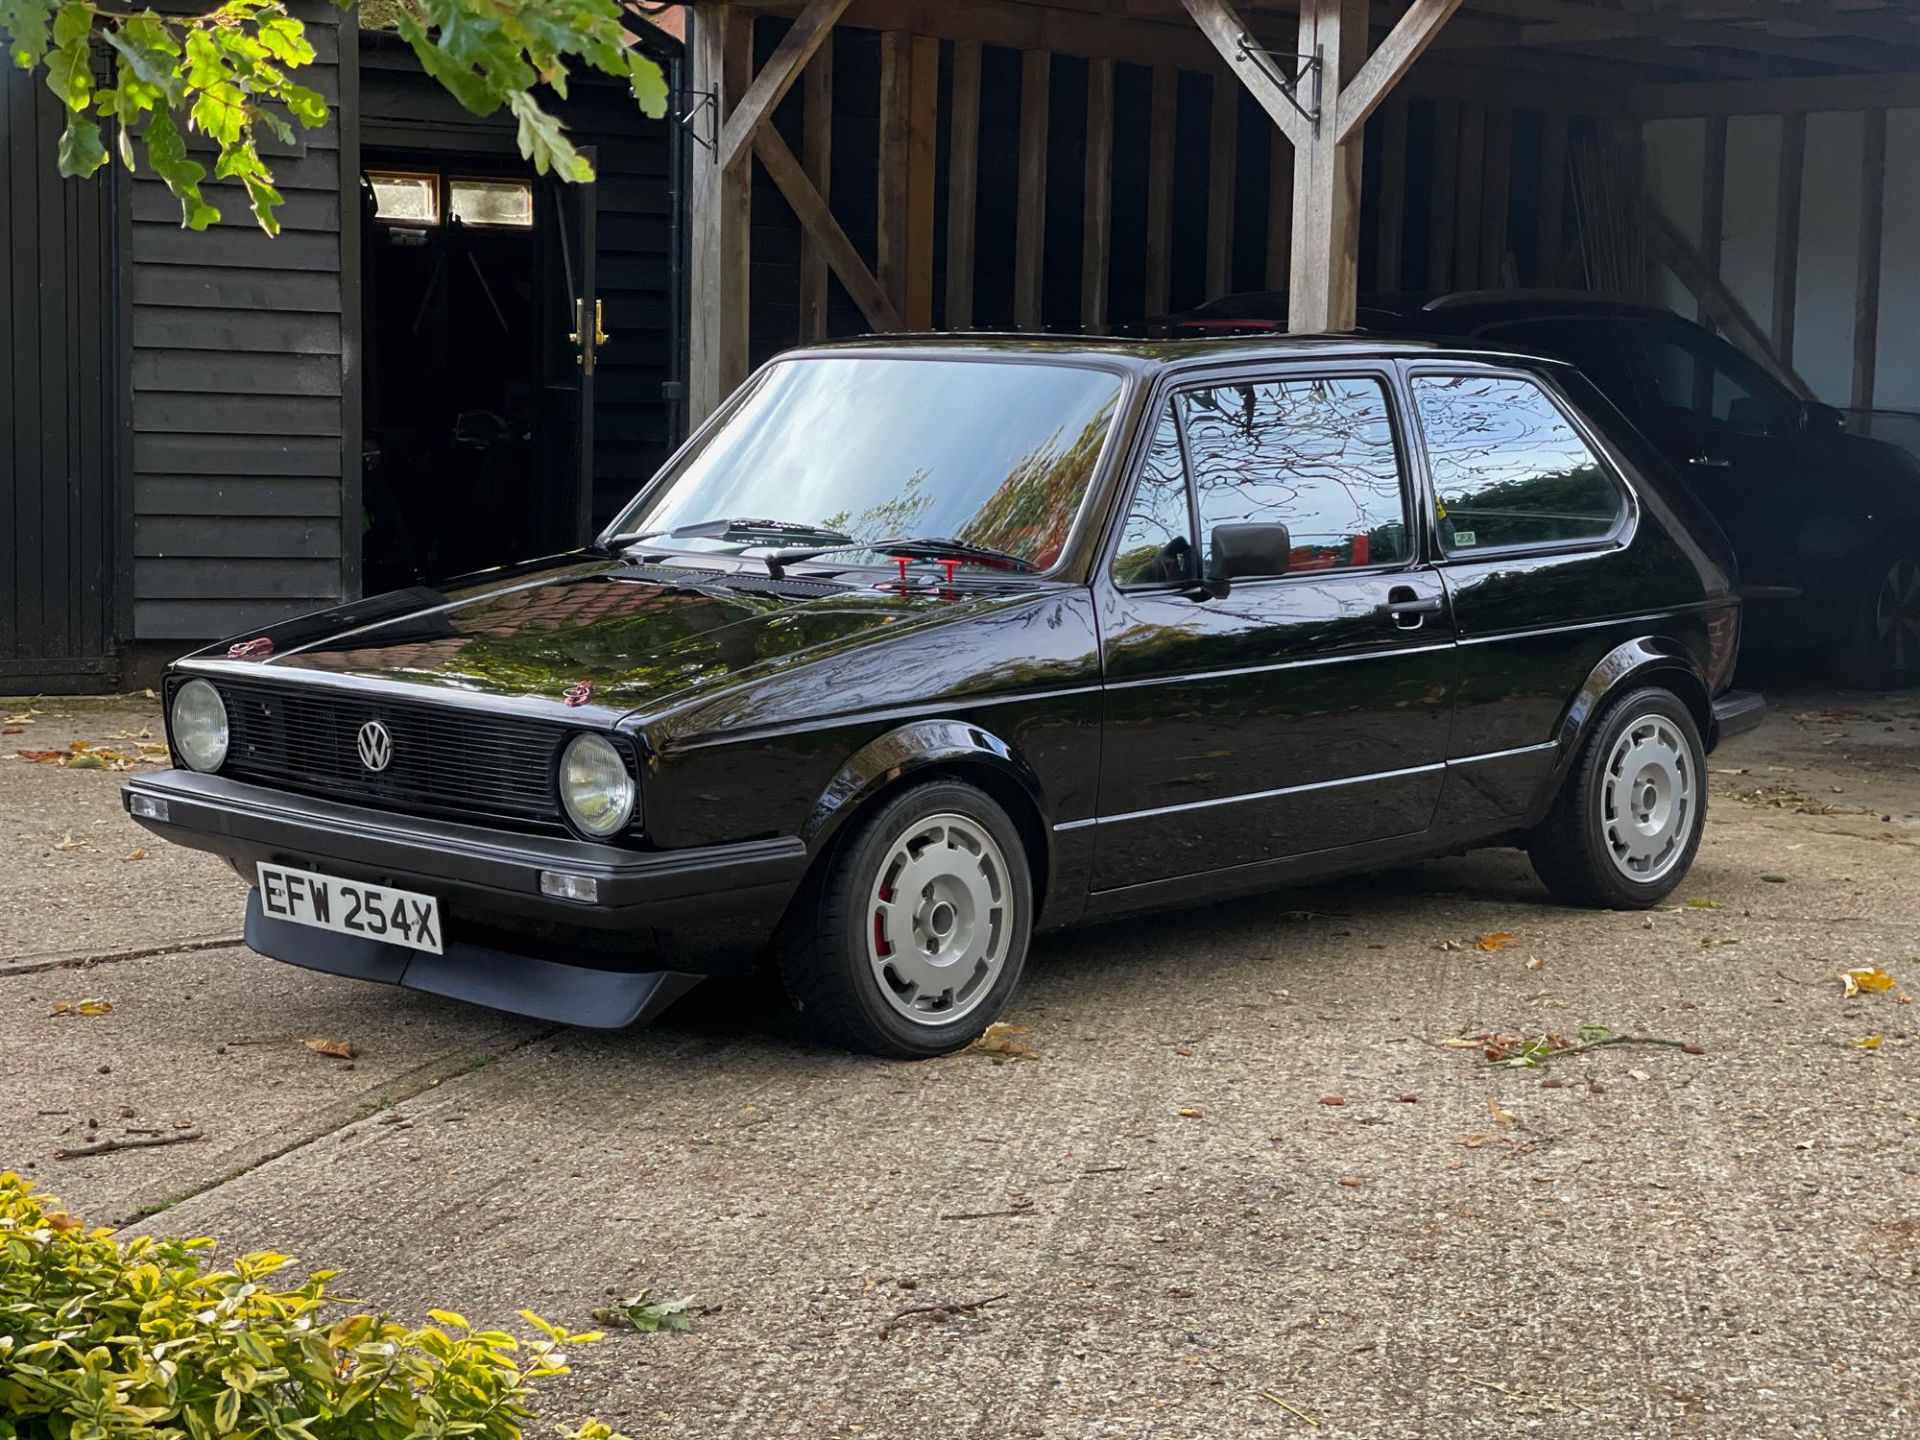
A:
{"x": 1644, "y": 659}
{"x": 924, "y": 747}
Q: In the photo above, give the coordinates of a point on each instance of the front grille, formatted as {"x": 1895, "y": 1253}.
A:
{"x": 445, "y": 761}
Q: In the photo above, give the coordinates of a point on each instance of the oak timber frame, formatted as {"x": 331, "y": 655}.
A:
{"x": 895, "y": 293}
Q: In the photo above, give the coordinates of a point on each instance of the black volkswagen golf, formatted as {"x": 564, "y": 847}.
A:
{"x": 925, "y": 644}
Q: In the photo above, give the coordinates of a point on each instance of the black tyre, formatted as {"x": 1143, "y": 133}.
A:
{"x": 911, "y": 937}
{"x": 1881, "y": 650}
{"x": 1627, "y": 822}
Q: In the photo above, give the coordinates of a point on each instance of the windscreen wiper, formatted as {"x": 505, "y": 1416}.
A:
{"x": 929, "y": 547}
{"x": 741, "y": 531}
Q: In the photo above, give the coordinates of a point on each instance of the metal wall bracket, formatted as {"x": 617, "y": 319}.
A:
{"x": 1273, "y": 63}
{"x": 698, "y": 111}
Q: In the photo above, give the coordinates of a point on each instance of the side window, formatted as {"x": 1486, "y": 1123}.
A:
{"x": 1709, "y": 384}
{"x": 1157, "y": 545}
{"x": 1508, "y": 467}
{"x": 1317, "y": 456}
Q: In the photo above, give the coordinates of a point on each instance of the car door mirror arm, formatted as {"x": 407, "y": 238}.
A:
{"x": 1212, "y": 588}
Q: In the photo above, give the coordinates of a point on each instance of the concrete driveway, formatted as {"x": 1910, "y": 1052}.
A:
{"x": 1247, "y": 1187}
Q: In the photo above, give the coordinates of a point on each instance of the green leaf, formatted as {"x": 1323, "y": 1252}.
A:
{"x": 81, "y": 150}
{"x": 649, "y": 84}
{"x": 545, "y": 143}
{"x": 69, "y": 76}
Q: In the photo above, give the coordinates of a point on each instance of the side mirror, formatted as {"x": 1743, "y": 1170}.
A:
{"x": 1821, "y": 421}
{"x": 1246, "y": 551}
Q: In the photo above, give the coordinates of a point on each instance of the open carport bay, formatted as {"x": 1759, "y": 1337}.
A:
{"x": 1179, "y": 1231}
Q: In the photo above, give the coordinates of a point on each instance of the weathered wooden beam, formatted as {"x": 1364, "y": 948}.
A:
{"x": 1713, "y": 199}
{"x": 1384, "y": 69}
{"x": 923, "y": 105}
{"x": 963, "y": 181}
{"x": 1223, "y": 141}
{"x": 1096, "y": 245}
{"x": 1553, "y": 190}
{"x": 1495, "y": 187}
{"x": 1160, "y": 134}
{"x": 817, "y": 220}
{"x": 717, "y": 275}
{"x": 1866, "y": 294}
{"x": 1226, "y": 32}
{"x": 1469, "y": 177}
{"x": 770, "y": 86}
{"x": 816, "y": 147}
{"x": 1279, "y": 210}
{"x": 1324, "y": 290}
{"x": 1442, "y": 180}
{"x": 890, "y": 201}
{"x": 1801, "y": 94}
{"x": 1670, "y": 247}
{"x": 1786, "y": 234}
{"x": 1392, "y": 209}
{"x": 1030, "y": 210}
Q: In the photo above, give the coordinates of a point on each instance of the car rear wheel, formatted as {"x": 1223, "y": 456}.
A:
{"x": 1883, "y": 650}
{"x": 912, "y": 937}
{"x": 1627, "y": 822}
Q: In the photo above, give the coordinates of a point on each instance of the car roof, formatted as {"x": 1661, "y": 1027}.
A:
{"x": 1158, "y": 354}
{"x": 1451, "y": 311}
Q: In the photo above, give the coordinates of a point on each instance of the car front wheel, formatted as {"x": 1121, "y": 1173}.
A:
{"x": 912, "y": 937}
{"x": 1628, "y": 819}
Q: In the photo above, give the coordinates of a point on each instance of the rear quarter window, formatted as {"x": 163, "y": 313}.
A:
{"x": 1509, "y": 469}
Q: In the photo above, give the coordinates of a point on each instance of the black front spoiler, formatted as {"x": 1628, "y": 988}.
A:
{"x": 518, "y": 984}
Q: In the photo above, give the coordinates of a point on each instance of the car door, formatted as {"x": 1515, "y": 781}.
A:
{"x": 1250, "y": 717}
{"x": 1732, "y": 433}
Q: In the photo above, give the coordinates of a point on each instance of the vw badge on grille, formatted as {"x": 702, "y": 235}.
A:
{"x": 376, "y": 746}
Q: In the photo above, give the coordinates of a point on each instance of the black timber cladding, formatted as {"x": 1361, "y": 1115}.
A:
{"x": 57, "y": 430}
{"x": 238, "y": 416}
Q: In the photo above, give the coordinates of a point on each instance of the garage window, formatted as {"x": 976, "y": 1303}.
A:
{"x": 1509, "y": 469}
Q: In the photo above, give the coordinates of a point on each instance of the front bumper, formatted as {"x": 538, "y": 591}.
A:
{"x": 1736, "y": 712}
{"x": 656, "y": 914}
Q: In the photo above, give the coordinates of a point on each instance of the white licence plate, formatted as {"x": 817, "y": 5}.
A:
{"x": 350, "y": 907}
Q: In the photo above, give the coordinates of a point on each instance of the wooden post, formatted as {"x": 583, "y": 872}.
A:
{"x": 1160, "y": 188}
{"x": 1393, "y": 195}
{"x": 817, "y": 158}
{"x": 1866, "y": 295}
{"x": 1030, "y": 216}
{"x": 1324, "y": 290}
{"x": 923, "y": 104}
{"x": 718, "y": 254}
{"x": 890, "y": 244}
{"x": 1223, "y": 141}
{"x": 1786, "y": 234}
{"x": 1713, "y": 210}
{"x": 963, "y": 176}
{"x": 1095, "y": 244}
{"x": 1553, "y": 190}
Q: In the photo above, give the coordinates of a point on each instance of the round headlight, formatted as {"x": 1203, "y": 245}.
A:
{"x": 200, "y": 725}
{"x": 595, "y": 786}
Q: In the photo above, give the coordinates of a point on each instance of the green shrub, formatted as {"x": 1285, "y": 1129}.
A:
{"x": 100, "y": 1339}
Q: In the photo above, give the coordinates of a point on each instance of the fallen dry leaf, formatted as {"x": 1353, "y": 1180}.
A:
{"x": 64, "y": 1223}
{"x": 67, "y": 842}
{"x": 1474, "y": 1142}
{"x": 136, "y": 855}
{"x": 1352, "y": 1182}
{"x": 1002, "y": 1041}
{"x": 1864, "y": 978}
{"x": 1191, "y": 1112}
{"x": 1868, "y": 1042}
{"x": 81, "y": 1007}
{"x": 1460, "y": 1042}
{"x": 1534, "y": 962}
{"x": 333, "y": 1049}
{"x": 1333, "y": 1099}
{"x": 1500, "y": 1116}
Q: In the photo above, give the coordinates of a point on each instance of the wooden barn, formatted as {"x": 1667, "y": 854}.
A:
{"x": 447, "y": 361}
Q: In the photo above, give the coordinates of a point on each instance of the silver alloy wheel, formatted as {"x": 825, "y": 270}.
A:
{"x": 1648, "y": 798}
{"x": 940, "y": 919}
{"x": 1896, "y": 615}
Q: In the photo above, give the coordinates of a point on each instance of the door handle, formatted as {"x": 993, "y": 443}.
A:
{"x": 1711, "y": 462}
{"x": 587, "y": 344}
{"x": 1410, "y": 608}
